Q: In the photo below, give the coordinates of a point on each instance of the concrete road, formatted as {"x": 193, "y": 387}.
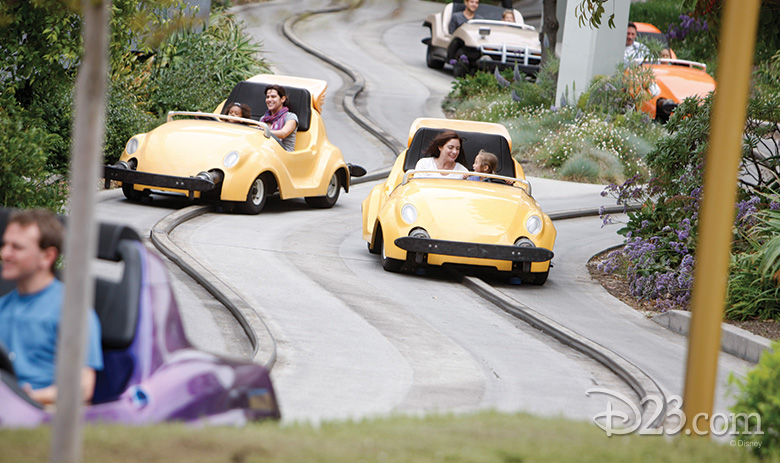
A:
{"x": 355, "y": 341}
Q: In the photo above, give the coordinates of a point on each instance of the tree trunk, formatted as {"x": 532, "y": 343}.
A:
{"x": 549, "y": 34}
{"x": 81, "y": 236}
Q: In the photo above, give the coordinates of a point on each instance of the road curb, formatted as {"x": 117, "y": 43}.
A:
{"x": 259, "y": 335}
{"x": 733, "y": 340}
{"x": 642, "y": 384}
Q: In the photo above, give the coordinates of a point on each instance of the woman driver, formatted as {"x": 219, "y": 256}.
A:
{"x": 443, "y": 154}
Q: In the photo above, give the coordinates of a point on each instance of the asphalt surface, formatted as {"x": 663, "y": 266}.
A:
{"x": 354, "y": 341}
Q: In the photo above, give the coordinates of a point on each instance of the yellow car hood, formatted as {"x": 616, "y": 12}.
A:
{"x": 463, "y": 210}
{"x": 186, "y": 147}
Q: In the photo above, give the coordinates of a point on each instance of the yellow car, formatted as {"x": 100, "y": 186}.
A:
{"x": 236, "y": 160}
{"x": 415, "y": 220}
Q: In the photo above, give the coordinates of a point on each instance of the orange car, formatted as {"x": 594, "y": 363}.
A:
{"x": 675, "y": 79}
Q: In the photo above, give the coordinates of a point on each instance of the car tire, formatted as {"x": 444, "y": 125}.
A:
{"x": 331, "y": 196}
{"x": 431, "y": 60}
{"x": 388, "y": 263}
{"x": 131, "y": 193}
{"x": 256, "y": 196}
{"x": 377, "y": 247}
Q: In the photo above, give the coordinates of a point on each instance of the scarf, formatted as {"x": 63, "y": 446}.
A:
{"x": 276, "y": 121}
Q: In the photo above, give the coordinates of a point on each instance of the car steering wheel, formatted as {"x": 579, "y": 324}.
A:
{"x": 5, "y": 360}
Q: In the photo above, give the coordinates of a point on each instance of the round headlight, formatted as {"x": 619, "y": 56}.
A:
{"x": 419, "y": 233}
{"x": 132, "y": 145}
{"x": 533, "y": 224}
{"x": 654, "y": 89}
{"x": 409, "y": 213}
{"x": 231, "y": 159}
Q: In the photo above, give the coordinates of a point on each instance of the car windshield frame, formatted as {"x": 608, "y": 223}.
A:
{"x": 409, "y": 174}
{"x": 221, "y": 117}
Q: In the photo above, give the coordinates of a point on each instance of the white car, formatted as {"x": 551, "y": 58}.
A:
{"x": 482, "y": 43}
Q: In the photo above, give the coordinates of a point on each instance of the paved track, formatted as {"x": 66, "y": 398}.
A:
{"x": 355, "y": 341}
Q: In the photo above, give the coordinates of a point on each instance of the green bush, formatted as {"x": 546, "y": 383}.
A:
{"x": 757, "y": 406}
{"x": 24, "y": 175}
{"x": 592, "y": 166}
{"x": 659, "y": 13}
{"x": 197, "y": 71}
{"x": 124, "y": 118}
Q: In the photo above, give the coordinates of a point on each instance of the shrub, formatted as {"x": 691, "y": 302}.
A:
{"x": 200, "y": 69}
{"x": 24, "y": 175}
{"x": 124, "y": 118}
{"x": 758, "y": 395}
{"x": 659, "y": 13}
{"x": 592, "y": 166}
{"x": 692, "y": 39}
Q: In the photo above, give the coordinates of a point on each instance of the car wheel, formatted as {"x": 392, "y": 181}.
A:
{"x": 431, "y": 60}
{"x": 388, "y": 263}
{"x": 131, "y": 193}
{"x": 377, "y": 247}
{"x": 255, "y": 197}
{"x": 331, "y": 196}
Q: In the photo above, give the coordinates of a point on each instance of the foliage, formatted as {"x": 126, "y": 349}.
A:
{"x": 476, "y": 85}
{"x": 24, "y": 176}
{"x": 40, "y": 48}
{"x": 590, "y": 133}
{"x": 768, "y": 34}
{"x": 661, "y": 235}
{"x": 766, "y": 78}
{"x": 753, "y": 290}
{"x": 124, "y": 118}
{"x": 604, "y": 139}
{"x": 693, "y": 39}
{"x": 621, "y": 92}
{"x": 197, "y": 71}
{"x": 758, "y": 394}
{"x": 590, "y": 12}
{"x": 591, "y": 165}
{"x": 660, "y": 13}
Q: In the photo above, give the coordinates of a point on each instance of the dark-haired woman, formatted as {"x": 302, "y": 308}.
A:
{"x": 280, "y": 120}
{"x": 443, "y": 154}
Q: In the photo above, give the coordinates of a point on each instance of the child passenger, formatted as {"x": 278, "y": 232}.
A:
{"x": 486, "y": 163}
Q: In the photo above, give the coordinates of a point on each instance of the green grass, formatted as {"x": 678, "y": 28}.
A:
{"x": 481, "y": 438}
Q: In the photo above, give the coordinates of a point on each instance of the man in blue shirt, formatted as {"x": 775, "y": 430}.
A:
{"x": 30, "y": 314}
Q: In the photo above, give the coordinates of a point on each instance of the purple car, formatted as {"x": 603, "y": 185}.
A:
{"x": 151, "y": 371}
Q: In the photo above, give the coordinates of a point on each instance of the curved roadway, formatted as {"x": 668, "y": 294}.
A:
{"x": 355, "y": 341}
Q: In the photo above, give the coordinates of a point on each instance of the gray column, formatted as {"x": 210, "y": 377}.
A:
{"x": 587, "y": 52}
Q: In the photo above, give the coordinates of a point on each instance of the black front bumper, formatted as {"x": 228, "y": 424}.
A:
{"x": 477, "y": 250}
{"x": 189, "y": 184}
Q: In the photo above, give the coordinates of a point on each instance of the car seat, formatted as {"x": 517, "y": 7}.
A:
{"x": 253, "y": 93}
{"x": 472, "y": 143}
